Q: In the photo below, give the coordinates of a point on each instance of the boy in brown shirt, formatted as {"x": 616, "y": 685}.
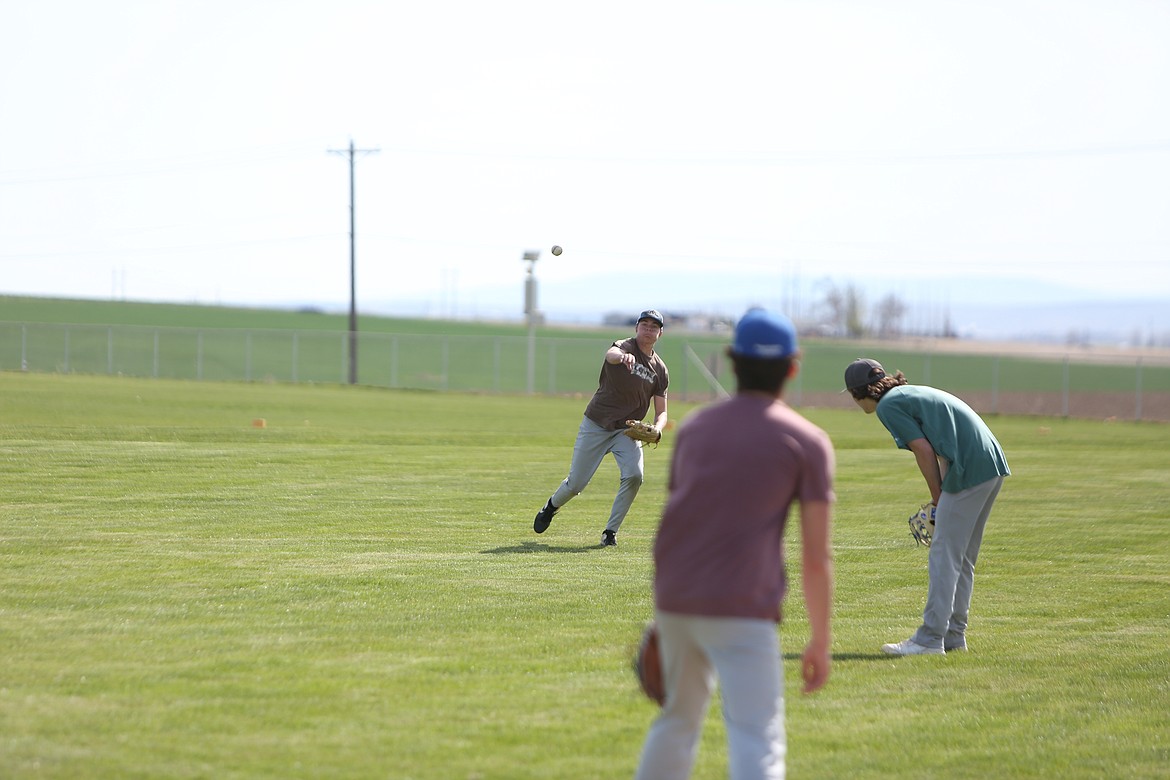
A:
{"x": 632, "y": 376}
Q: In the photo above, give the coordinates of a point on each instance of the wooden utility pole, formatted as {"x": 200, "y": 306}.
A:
{"x": 353, "y": 327}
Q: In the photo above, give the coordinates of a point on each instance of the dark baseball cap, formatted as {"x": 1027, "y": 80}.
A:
{"x": 862, "y": 373}
{"x": 764, "y": 334}
{"x": 652, "y": 314}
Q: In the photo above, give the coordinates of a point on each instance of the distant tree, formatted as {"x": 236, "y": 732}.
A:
{"x": 890, "y": 311}
{"x": 854, "y": 313}
{"x": 835, "y": 303}
{"x": 949, "y": 331}
{"x": 847, "y": 308}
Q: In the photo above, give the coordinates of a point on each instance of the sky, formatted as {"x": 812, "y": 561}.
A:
{"x": 687, "y": 155}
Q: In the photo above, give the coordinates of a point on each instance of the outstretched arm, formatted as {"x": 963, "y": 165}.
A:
{"x": 616, "y": 354}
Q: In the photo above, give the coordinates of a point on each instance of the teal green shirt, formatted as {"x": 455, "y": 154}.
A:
{"x": 952, "y": 427}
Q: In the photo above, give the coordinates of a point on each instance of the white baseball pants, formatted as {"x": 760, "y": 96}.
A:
{"x": 744, "y": 655}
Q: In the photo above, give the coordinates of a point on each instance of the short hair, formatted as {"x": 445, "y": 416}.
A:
{"x": 761, "y": 374}
{"x": 880, "y": 387}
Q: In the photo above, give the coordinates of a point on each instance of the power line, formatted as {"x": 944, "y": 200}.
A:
{"x": 164, "y": 250}
{"x": 159, "y": 166}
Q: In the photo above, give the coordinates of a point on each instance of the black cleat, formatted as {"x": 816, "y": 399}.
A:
{"x": 608, "y": 538}
{"x": 544, "y": 517}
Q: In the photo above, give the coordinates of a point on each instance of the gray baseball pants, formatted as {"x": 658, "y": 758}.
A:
{"x": 743, "y": 654}
{"x": 593, "y": 443}
{"x": 958, "y": 533}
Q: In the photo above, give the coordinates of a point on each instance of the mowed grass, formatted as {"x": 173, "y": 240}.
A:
{"x": 354, "y": 590}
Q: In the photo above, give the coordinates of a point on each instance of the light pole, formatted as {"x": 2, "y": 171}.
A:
{"x": 531, "y": 311}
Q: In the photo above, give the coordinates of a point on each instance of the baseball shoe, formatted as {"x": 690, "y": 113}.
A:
{"x": 544, "y": 517}
{"x": 608, "y": 538}
{"x": 910, "y": 647}
{"x": 959, "y": 648}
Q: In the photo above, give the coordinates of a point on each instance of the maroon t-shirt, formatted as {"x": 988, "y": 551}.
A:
{"x": 624, "y": 395}
{"x": 737, "y": 467}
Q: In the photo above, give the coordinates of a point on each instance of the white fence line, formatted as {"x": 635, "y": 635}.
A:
{"x": 498, "y": 364}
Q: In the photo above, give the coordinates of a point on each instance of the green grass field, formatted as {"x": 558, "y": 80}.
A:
{"x": 355, "y": 591}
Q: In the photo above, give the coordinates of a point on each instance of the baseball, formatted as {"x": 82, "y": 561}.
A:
{"x": 556, "y": 250}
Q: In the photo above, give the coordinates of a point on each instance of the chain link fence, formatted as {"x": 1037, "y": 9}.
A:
{"x": 1053, "y": 383}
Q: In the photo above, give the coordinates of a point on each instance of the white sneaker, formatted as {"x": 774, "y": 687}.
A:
{"x": 910, "y": 647}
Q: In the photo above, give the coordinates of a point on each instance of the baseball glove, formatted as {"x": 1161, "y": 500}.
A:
{"x": 640, "y": 431}
{"x": 922, "y": 524}
{"x": 648, "y": 665}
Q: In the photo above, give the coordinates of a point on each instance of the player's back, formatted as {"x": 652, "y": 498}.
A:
{"x": 736, "y": 469}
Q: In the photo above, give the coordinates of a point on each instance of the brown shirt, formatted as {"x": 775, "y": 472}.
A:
{"x": 623, "y": 394}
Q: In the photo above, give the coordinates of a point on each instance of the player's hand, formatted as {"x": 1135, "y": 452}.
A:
{"x": 628, "y": 360}
{"x": 814, "y": 668}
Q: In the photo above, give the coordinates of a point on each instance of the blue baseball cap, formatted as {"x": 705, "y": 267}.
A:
{"x": 764, "y": 334}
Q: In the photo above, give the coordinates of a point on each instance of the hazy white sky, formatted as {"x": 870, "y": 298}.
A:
{"x": 163, "y": 150}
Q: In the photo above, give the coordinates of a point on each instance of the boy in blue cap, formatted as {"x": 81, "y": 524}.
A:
{"x": 719, "y": 568}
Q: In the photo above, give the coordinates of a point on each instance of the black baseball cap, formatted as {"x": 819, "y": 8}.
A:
{"x": 862, "y": 373}
{"x": 652, "y": 314}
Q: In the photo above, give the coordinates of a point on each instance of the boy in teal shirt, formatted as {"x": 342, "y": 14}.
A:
{"x": 964, "y": 468}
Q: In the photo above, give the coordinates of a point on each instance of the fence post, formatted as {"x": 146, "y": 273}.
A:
{"x": 552, "y": 366}
{"x": 1138, "y": 412}
{"x": 995, "y": 385}
{"x": 530, "y": 384}
{"x": 496, "y": 367}
{"x": 1064, "y": 390}
{"x": 393, "y": 361}
{"x": 24, "y": 347}
{"x": 446, "y": 361}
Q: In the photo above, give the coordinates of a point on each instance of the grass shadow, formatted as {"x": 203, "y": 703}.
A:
{"x": 846, "y": 656}
{"x": 539, "y": 547}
